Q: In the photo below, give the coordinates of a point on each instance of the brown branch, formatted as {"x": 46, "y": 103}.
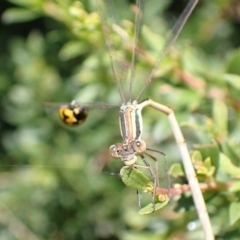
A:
{"x": 180, "y": 189}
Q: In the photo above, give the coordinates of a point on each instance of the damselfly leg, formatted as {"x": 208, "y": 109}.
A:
{"x": 158, "y": 172}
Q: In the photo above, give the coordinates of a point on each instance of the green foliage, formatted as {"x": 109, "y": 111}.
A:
{"x": 55, "y": 181}
{"x": 136, "y": 179}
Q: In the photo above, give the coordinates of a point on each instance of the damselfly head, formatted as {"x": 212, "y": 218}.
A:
{"x": 124, "y": 151}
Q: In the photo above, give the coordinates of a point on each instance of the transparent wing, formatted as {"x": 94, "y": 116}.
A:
{"x": 137, "y": 30}
{"x": 114, "y": 37}
{"x": 154, "y": 165}
{"x": 119, "y": 43}
{"x": 150, "y": 175}
{"x": 135, "y": 177}
{"x": 51, "y": 107}
{"x": 169, "y": 42}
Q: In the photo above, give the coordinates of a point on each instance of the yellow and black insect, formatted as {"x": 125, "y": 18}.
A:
{"x": 72, "y": 115}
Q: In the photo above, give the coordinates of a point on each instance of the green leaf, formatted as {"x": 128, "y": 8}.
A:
{"x": 26, "y": 3}
{"x": 234, "y": 212}
{"x": 16, "y": 15}
{"x": 176, "y": 170}
{"x": 209, "y": 167}
{"x": 202, "y": 167}
{"x": 133, "y": 178}
{"x": 233, "y": 65}
{"x": 196, "y": 158}
{"x": 198, "y": 163}
{"x": 233, "y": 80}
{"x": 209, "y": 150}
{"x": 72, "y": 49}
{"x": 226, "y": 166}
{"x": 220, "y": 119}
{"x": 202, "y": 170}
{"x": 207, "y": 163}
{"x": 235, "y": 187}
{"x": 232, "y": 150}
{"x": 149, "y": 208}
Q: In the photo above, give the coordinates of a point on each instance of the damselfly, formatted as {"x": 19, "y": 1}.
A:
{"x": 130, "y": 118}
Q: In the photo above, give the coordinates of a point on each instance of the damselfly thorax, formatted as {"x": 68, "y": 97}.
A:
{"x": 130, "y": 121}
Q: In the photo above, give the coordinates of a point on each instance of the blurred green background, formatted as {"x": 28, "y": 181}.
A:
{"x": 55, "y": 181}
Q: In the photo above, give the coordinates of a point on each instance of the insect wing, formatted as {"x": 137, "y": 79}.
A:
{"x": 154, "y": 165}
{"x": 149, "y": 176}
{"x": 51, "y": 107}
{"x": 169, "y": 42}
{"x": 117, "y": 41}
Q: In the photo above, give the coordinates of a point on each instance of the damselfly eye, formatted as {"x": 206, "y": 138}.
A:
{"x": 72, "y": 115}
{"x": 140, "y": 146}
{"x": 114, "y": 151}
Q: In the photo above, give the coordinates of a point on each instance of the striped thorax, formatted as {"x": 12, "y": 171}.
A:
{"x": 130, "y": 121}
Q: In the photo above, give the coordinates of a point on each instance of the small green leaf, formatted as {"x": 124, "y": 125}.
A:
{"x": 16, "y": 15}
{"x": 232, "y": 150}
{"x": 220, "y": 119}
{"x": 234, "y": 212}
{"x": 235, "y": 187}
{"x": 133, "y": 178}
{"x": 72, "y": 49}
{"x": 26, "y": 3}
{"x": 202, "y": 167}
{"x": 207, "y": 163}
{"x": 226, "y": 166}
{"x": 211, "y": 171}
{"x": 198, "y": 163}
{"x": 233, "y": 80}
{"x": 209, "y": 167}
{"x": 209, "y": 150}
{"x": 233, "y": 64}
{"x": 197, "y": 158}
{"x": 202, "y": 170}
{"x": 176, "y": 170}
{"x": 149, "y": 208}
